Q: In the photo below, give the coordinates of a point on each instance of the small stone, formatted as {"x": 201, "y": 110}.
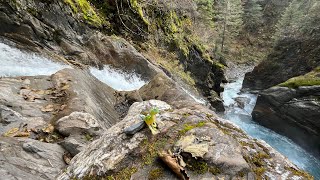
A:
{"x": 134, "y": 128}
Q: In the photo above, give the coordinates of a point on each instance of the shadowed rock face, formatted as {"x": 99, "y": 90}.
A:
{"x": 288, "y": 59}
{"x": 292, "y": 112}
{"x": 50, "y": 28}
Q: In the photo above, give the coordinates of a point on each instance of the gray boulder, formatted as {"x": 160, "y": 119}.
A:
{"x": 27, "y": 159}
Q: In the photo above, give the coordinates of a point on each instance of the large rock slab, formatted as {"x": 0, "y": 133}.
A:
{"x": 27, "y": 159}
{"x": 292, "y": 112}
{"x": 106, "y": 153}
{"x": 210, "y": 147}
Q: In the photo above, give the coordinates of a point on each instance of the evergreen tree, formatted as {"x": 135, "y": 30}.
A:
{"x": 228, "y": 16}
{"x": 252, "y": 15}
{"x": 311, "y": 23}
{"x": 205, "y": 7}
{"x": 290, "y": 22}
{"x": 234, "y": 17}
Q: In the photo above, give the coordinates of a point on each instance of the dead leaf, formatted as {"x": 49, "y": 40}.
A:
{"x": 65, "y": 87}
{"x": 14, "y": 132}
{"x": 11, "y": 132}
{"x": 48, "y": 129}
{"x": 21, "y": 134}
{"x": 173, "y": 164}
{"x": 62, "y": 107}
{"x": 48, "y": 108}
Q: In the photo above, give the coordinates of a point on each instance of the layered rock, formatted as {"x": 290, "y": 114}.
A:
{"x": 292, "y": 112}
{"x": 50, "y": 28}
{"x": 76, "y": 103}
{"x": 83, "y": 112}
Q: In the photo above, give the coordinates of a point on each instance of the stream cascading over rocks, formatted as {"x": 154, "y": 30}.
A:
{"x": 15, "y": 62}
{"x": 239, "y": 106}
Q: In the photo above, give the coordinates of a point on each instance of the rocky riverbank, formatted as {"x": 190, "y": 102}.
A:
{"x": 70, "y": 125}
{"x": 57, "y": 121}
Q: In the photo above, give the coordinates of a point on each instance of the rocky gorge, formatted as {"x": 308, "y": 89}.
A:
{"x": 70, "y": 87}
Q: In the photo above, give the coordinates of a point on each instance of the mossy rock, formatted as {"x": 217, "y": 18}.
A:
{"x": 309, "y": 79}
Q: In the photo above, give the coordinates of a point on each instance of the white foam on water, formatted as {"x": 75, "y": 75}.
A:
{"x": 243, "y": 118}
{"x": 14, "y": 62}
{"x": 118, "y": 79}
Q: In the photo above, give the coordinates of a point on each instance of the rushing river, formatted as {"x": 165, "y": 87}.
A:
{"x": 242, "y": 117}
{"x": 14, "y": 62}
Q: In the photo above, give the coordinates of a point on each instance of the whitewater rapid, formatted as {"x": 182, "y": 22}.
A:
{"x": 14, "y": 62}
{"x": 242, "y": 117}
{"x": 118, "y": 79}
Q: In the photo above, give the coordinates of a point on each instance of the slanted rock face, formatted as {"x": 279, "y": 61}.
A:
{"x": 209, "y": 147}
{"x": 76, "y": 103}
{"x": 292, "y": 112}
{"x": 29, "y": 159}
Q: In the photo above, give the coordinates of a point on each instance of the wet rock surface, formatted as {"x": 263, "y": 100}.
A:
{"x": 291, "y": 112}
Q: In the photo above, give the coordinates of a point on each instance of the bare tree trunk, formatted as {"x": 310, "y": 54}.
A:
{"x": 224, "y": 26}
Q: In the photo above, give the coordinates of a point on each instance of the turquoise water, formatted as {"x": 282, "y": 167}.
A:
{"x": 242, "y": 118}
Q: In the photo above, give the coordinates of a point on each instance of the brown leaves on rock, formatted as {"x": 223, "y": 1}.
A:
{"x": 30, "y": 95}
{"x": 46, "y": 134}
{"x": 48, "y": 108}
{"x": 173, "y": 164}
{"x": 16, "y": 132}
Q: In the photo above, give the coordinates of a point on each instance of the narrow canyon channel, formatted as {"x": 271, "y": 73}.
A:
{"x": 239, "y": 106}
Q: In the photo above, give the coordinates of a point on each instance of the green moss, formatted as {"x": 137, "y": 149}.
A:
{"x": 32, "y": 11}
{"x": 72, "y": 5}
{"x": 155, "y": 174}
{"x": 310, "y": 79}
{"x": 299, "y": 173}
{"x": 88, "y": 137}
{"x": 151, "y": 149}
{"x": 135, "y": 5}
{"x": 259, "y": 172}
{"x": 257, "y": 162}
{"x": 201, "y": 167}
{"x": 243, "y": 143}
{"x": 88, "y": 12}
{"x": 188, "y": 127}
{"x": 241, "y": 173}
{"x": 124, "y": 174}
